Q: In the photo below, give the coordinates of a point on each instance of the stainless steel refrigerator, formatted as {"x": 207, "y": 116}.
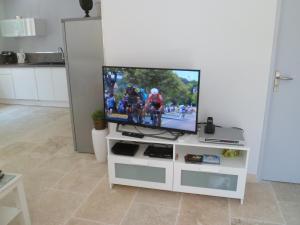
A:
{"x": 84, "y": 59}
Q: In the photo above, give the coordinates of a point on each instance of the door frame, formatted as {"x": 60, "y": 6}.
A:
{"x": 266, "y": 122}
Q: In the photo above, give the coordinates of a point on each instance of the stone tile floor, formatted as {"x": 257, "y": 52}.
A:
{"x": 67, "y": 188}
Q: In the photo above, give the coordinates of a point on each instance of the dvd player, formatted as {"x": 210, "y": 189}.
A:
{"x": 121, "y": 148}
{"x": 159, "y": 152}
{"x": 223, "y": 135}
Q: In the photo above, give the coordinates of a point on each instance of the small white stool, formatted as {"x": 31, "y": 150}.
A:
{"x": 9, "y": 183}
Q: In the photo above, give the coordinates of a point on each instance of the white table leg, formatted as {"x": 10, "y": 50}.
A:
{"x": 22, "y": 204}
{"x": 242, "y": 201}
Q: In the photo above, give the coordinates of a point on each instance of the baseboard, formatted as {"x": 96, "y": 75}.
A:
{"x": 62, "y": 104}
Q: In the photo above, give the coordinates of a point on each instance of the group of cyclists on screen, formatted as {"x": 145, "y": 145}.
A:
{"x": 138, "y": 105}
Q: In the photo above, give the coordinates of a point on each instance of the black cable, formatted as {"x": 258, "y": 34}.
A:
{"x": 138, "y": 130}
{"x": 179, "y": 134}
{"x": 156, "y": 135}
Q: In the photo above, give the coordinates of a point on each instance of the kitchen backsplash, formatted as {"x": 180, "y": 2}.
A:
{"x": 41, "y": 57}
{"x": 44, "y": 57}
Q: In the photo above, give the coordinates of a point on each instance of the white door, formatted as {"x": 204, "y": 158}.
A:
{"x": 24, "y": 83}
{"x": 60, "y": 85}
{"x": 282, "y": 144}
{"x": 44, "y": 84}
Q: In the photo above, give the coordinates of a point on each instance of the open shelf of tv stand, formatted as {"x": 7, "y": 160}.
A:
{"x": 226, "y": 180}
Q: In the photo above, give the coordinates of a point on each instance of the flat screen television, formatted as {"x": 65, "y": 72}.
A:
{"x": 152, "y": 97}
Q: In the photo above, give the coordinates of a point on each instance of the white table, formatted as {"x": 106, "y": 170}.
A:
{"x": 9, "y": 183}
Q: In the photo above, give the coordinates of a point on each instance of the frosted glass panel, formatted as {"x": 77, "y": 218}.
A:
{"x": 209, "y": 180}
{"x": 143, "y": 173}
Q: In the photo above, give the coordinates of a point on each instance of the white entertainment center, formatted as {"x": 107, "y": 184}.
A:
{"x": 225, "y": 180}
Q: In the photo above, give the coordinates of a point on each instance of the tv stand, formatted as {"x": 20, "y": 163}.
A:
{"x": 225, "y": 180}
{"x": 138, "y": 133}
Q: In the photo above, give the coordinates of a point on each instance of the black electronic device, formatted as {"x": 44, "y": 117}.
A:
{"x": 128, "y": 149}
{"x": 209, "y": 127}
{"x": 159, "y": 152}
{"x": 132, "y": 134}
{"x": 9, "y": 57}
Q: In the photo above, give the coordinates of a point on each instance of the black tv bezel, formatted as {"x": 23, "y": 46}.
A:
{"x": 148, "y": 126}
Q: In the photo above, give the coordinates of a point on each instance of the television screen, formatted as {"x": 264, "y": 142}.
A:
{"x": 157, "y": 98}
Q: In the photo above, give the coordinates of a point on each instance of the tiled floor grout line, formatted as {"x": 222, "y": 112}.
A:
{"x": 85, "y": 199}
{"x": 293, "y": 202}
{"x": 179, "y": 209}
{"x": 130, "y": 206}
{"x": 89, "y": 220}
{"x": 156, "y": 205}
{"x": 265, "y": 221}
{"x": 67, "y": 191}
{"x": 277, "y": 202}
{"x": 37, "y": 166}
{"x": 46, "y": 191}
{"x": 64, "y": 175}
{"x": 229, "y": 211}
{"x": 59, "y": 180}
{"x": 256, "y": 220}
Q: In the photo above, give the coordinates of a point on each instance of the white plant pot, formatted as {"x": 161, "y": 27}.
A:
{"x": 99, "y": 144}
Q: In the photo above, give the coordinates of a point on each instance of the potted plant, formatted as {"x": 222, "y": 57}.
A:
{"x": 99, "y": 120}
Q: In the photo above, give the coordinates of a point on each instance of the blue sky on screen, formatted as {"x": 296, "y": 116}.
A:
{"x": 189, "y": 75}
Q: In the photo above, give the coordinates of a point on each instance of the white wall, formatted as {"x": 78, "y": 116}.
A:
{"x": 230, "y": 41}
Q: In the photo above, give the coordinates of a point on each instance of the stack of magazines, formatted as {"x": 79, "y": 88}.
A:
{"x": 205, "y": 158}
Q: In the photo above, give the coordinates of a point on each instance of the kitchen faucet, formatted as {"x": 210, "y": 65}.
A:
{"x": 60, "y": 50}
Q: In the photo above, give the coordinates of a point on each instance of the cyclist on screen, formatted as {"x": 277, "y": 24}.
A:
{"x": 182, "y": 111}
{"x": 131, "y": 101}
{"x": 155, "y": 105}
{"x": 111, "y": 103}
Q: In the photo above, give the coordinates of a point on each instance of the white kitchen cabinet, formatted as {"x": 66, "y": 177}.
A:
{"x": 12, "y": 28}
{"x": 45, "y": 86}
{"x": 25, "y": 83}
{"x": 23, "y": 27}
{"x": 60, "y": 85}
{"x": 44, "y": 83}
{"x": 6, "y": 86}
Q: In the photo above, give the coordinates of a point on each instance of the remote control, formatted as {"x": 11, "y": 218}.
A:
{"x": 132, "y": 134}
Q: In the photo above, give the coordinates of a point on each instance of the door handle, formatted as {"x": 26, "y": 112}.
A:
{"x": 278, "y": 78}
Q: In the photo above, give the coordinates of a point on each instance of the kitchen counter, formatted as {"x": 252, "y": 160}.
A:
{"x": 30, "y": 65}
